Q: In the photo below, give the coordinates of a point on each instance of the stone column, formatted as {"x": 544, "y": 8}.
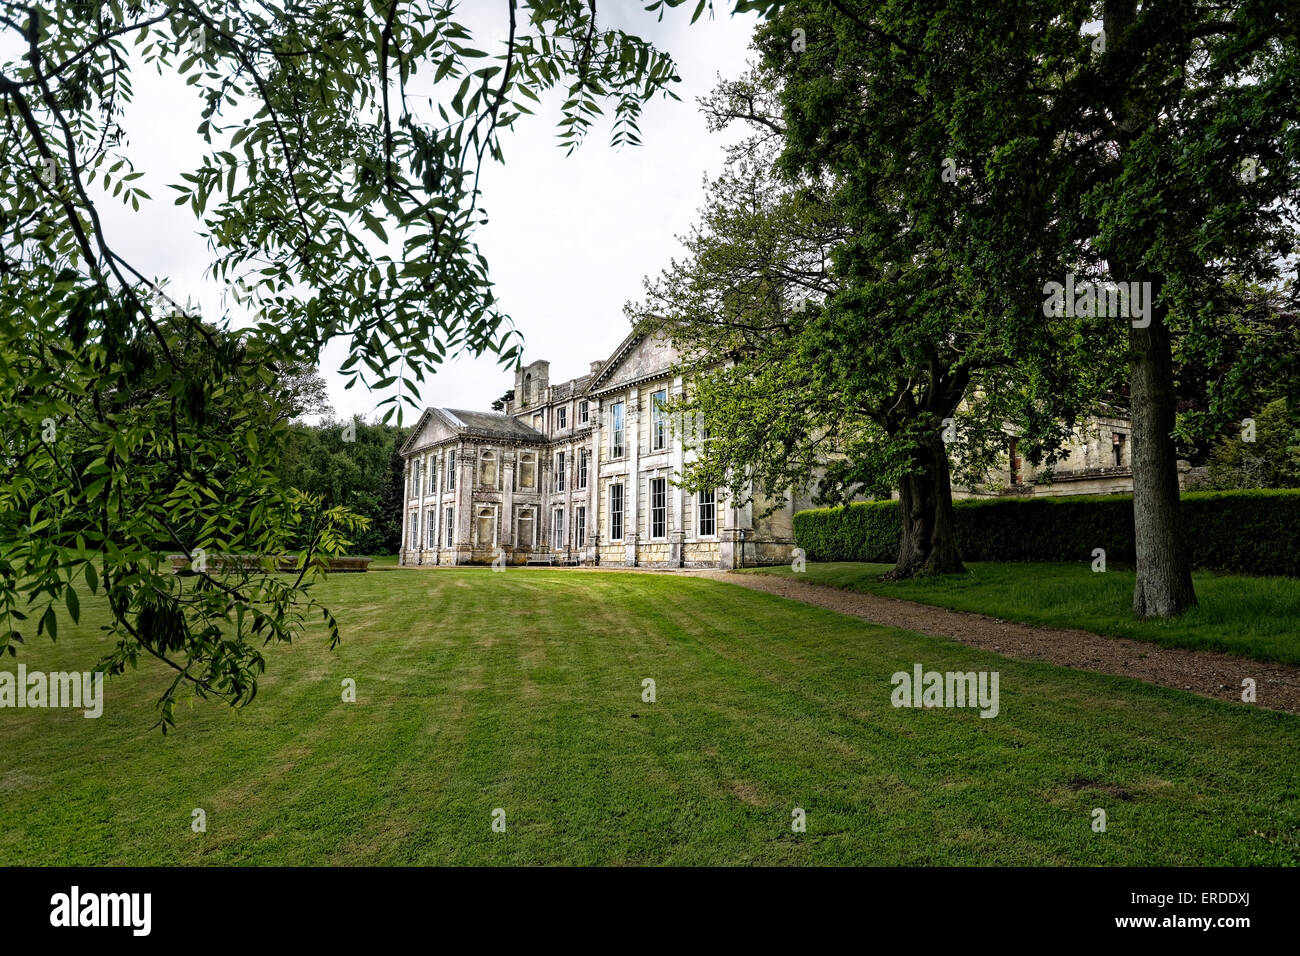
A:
{"x": 542, "y": 526}
{"x": 405, "y": 546}
{"x": 464, "y": 536}
{"x": 595, "y": 492}
{"x": 439, "y": 477}
{"x": 593, "y": 498}
{"x": 675, "y": 494}
{"x": 570, "y": 479}
{"x": 422, "y": 518}
{"x": 632, "y": 485}
{"x": 506, "y": 529}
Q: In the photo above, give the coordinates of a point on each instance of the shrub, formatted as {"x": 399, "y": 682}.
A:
{"x": 1251, "y": 532}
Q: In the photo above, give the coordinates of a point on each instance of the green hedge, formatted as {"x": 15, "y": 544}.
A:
{"x": 1252, "y": 532}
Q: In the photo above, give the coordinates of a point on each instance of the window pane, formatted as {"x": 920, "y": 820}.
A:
{"x": 659, "y": 428}
{"x": 658, "y": 507}
{"x": 708, "y": 513}
{"x": 616, "y": 441}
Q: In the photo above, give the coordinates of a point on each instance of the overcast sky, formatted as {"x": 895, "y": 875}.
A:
{"x": 569, "y": 239}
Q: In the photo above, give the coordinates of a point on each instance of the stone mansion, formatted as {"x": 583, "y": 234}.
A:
{"x": 582, "y": 472}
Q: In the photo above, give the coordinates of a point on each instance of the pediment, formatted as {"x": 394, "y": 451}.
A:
{"x": 639, "y": 358}
{"x": 431, "y": 429}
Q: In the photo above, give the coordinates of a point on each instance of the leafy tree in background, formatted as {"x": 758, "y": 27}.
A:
{"x": 350, "y": 465}
{"x": 338, "y": 194}
{"x": 1230, "y": 371}
{"x": 847, "y": 300}
{"x": 1191, "y": 177}
{"x": 1269, "y": 459}
{"x": 1161, "y": 151}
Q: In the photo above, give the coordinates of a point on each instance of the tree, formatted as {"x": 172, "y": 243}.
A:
{"x": 1265, "y": 454}
{"x": 337, "y": 203}
{"x": 349, "y": 464}
{"x": 1228, "y": 372}
{"x": 1189, "y": 181}
{"x": 833, "y": 337}
{"x": 1155, "y": 152}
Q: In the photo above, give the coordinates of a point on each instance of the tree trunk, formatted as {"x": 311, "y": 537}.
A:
{"x": 925, "y": 509}
{"x": 1164, "y": 575}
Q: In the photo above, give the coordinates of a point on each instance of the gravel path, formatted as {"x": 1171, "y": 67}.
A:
{"x": 1210, "y": 673}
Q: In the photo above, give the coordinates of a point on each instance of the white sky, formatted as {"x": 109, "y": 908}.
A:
{"x": 568, "y": 241}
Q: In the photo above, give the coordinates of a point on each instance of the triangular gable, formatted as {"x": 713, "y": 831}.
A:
{"x": 639, "y": 356}
{"x": 432, "y": 428}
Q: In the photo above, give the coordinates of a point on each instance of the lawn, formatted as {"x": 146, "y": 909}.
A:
{"x": 523, "y": 691}
{"x": 1252, "y": 616}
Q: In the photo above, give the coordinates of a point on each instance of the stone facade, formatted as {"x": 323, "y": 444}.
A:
{"x": 1097, "y": 462}
{"x": 581, "y": 472}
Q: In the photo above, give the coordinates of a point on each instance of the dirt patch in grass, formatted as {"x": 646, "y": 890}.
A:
{"x": 745, "y": 793}
{"x": 1213, "y": 674}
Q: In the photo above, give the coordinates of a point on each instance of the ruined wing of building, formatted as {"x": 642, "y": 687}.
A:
{"x": 583, "y": 472}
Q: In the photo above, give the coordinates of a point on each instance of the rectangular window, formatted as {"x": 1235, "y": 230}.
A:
{"x": 432, "y": 475}
{"x": 432, "y": 541}
{"x": 557, "y": 529}
{"x": 617, "y": 433}
{"x": 537, "y": 423}
{"x": 584, "y": 413}
{"x": 708, "y": 510}
{"x": 451, "y": 471}
{"x": 582, "y": 468}
{"x": 415, "y": 478}
{"x": 450, "y": 537}
{"x": 580, "y": 527}
{"x": 659, "y": 420}
{"x": 559, "y": 471}
{"x": 658, "y": 507}
{"x": 562, "y": 417}
{"x": 615, "y": 512}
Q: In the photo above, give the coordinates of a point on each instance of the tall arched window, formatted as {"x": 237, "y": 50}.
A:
{"x": 524, "y": 529}
{"x": 485, "y": 528}
{"x": 528, "y": 470}
{"x": 528, "y": 389}
{"x": 487, "y": 470}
